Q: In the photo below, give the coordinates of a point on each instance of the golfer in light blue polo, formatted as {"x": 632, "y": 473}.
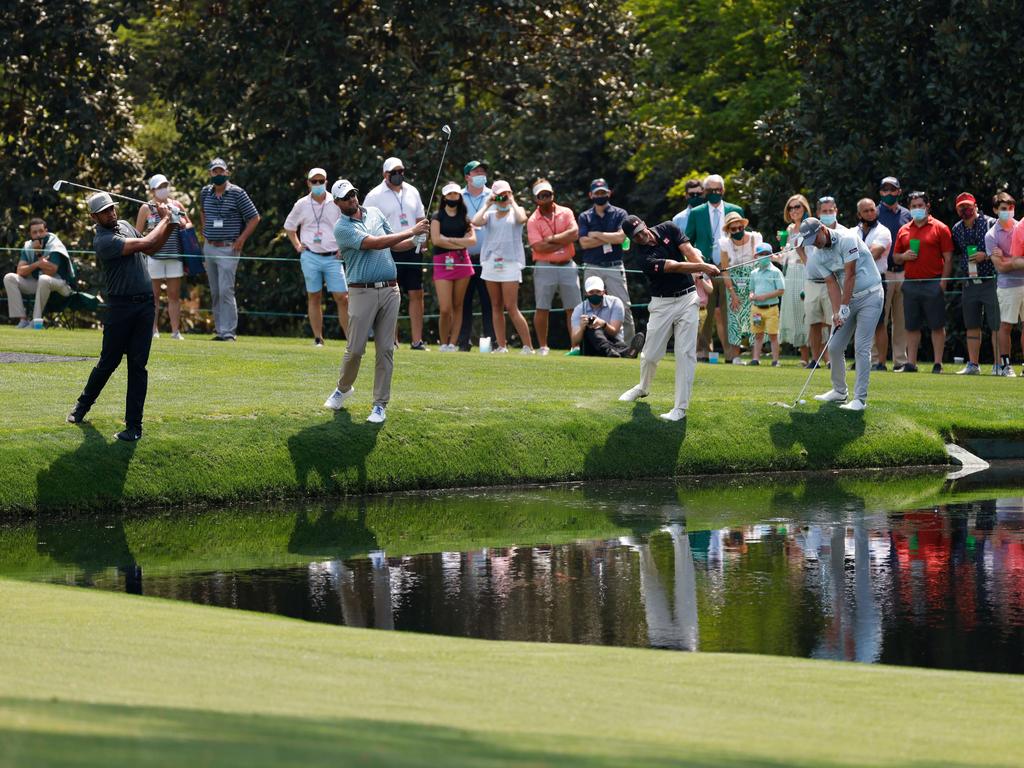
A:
{"x": 848, "y": 269}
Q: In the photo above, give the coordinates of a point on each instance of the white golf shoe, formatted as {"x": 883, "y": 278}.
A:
{"x": 854, "y": 405}
{"x": 632, "y": 394}
{"x": 831, "y": 397}
{"x": 676, "y": 414}
{"x": 377, "y": 415}
{"x": 337, "y": 399}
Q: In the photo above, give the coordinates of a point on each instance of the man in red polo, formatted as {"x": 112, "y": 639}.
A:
{"x": 924, "y": 246}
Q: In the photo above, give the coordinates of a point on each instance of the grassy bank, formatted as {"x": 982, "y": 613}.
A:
{"x": 244, "y": 420}
{"x": 99, "y": 679}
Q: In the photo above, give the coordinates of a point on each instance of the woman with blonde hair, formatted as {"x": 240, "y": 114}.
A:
{"x": 792, "y": 328}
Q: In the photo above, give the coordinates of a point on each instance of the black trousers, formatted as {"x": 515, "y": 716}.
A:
{"x": 128, "y": 330}
{"x": 479, "y": 288}
{"x": 595, "y": 342}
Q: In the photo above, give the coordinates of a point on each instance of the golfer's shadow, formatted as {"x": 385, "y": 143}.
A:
{"x": 645, "y": 438}
{"x": 331, "y": 457}
{"x": 823, "y": 433}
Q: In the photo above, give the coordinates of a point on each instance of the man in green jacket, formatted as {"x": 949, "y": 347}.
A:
{"x": 704, "y": 229}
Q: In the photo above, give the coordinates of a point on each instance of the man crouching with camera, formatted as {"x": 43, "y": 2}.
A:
{"x": 597, "y": 324}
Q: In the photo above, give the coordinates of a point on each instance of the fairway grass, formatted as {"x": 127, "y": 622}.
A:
{"x": 95, "y": 679}
{"x": 245, "y": 421}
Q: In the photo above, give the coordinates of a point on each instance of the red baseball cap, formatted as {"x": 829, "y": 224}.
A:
{"x": 965, "y": 197}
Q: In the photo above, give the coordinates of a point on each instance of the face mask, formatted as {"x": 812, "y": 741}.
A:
{"x": 1005, "y": 215}
{"x": 451, "y": 203}
{"x": 694, "y": 200}
{"x": 478, "y": 181}
{"x": 396, "y": 178}
{"x": 600, "y": 200}
{"x": 889, "y": 199}
{"x": 918, "y": 214}
{"x": 763, "y": 262}
{"x": 318, "y": 189}
{"x": 714, "y": 197}
{"x": 736, "y": 235}
{"x": 868, "y": 221}
{"x": 595, "y": 300}
{"x": 162, "y": 194}
{"x": 967, "y": 215}
{"x": 503, "y": 208}
{"x": 828, "y": 219}
{"x": 219, "y": 179}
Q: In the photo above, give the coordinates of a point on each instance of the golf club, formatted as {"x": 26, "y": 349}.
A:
{"x": 752, "y": 261}
{"x": 799, "y": 398}
{"x": 62, "y": 182}
{"x": 447, "y": 131}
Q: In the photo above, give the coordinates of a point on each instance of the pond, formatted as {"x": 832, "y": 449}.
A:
{"x": 915, "y": 570}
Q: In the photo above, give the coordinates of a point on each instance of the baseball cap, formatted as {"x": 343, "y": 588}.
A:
{"x": 156, "y": 180}
{"x": 965, "y": 197}
{"x": 472, "y": 165}
{"x": 763, "y": 248}
{"x": 341, "y": 189}
{"x": 391, "y": 163}
{"x": 100, "y": 202}
{"x": 594, "y": 283}
{"x": 808, "y": 231}
{"x": 632, "y": 225}
{"x": 543, "y": 186}
{"x": 217, "y": 162}
{"x": 599, "y": 184}
{"x": 316, "y": 172}
{"x": 501, "y": 187}
{"x": 892, "y": 181}
{"x": 450, "y": 187}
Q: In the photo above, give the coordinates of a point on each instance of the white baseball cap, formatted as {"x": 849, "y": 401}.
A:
{"x": 450, "y": 187}
{"x": 544, "y": 186}
{"x": 156, "y": 180}
{"x": 341, "y": 188}
{"x": 316, "y": 172}
{"x": 391, "y": 163}
{"x": 594, "y": 283}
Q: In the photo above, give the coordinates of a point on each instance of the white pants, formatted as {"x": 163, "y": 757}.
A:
{"x": 679, "y": 316}
{"x": 41, "y": 287}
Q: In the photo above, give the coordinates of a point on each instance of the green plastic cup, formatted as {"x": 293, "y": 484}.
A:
{"x": 971, "y": 250}
{"x": 783, "y": 236}
{"x": 915, "y": 246}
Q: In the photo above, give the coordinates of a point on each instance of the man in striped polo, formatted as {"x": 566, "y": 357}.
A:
{"x": 228, "y": 219}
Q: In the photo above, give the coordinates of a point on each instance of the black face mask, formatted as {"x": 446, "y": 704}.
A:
{"x": 737, "y": 235}
{"x": 595, "y": 300}
{"x": 600, "y": 200}
{"x": 396, "y": 178}
{"x": 694, "y": 200}
{"x": 451, "y": 203}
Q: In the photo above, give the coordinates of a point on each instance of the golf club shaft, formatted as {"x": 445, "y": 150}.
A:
{"x": 816, "y": 364}
{"x": 751, "y": 261}
{"x": 112, "y": 194}
{"x": 437, "y": 178}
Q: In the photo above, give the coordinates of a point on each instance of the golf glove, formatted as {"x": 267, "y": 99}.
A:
{"x": 175, "y": 216}
{"x": 844, "y": 312}
{"x": 419, "y": 240}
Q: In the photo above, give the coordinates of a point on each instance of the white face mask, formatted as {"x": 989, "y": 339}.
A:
{"x": 163, "y": 193}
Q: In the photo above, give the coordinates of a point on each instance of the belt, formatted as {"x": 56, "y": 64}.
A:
{"x": 220, "y": 243}
{"x": 382, "y": 284}
{"x": 328, "y": 253}
{"x": 766, "y": 306}
{"x": 867, "y": 291}
{"x": 131, "y": 298}
{"x": 675, "y": 295}
{"x": 607, "y": 265}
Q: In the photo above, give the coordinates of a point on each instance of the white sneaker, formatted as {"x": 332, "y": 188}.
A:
{"x": 377, "y": 415}
{"x": 526, "y": 351}
{"x": 501, "y": 351}
{"x": 737, "y": 360}
{"x": 632, "y": 394}
{"x": 445, "y": 348}
{"x": 676, "y": 414}
{"x": 337, "y": 399}
{"x": 997, "y": 369}
{"x": 854, "y": 405}
{"x": 544, "y": 351}
{"x": 156, "y": 334}
{"x": 831, "y": 397}
{"x": 177, "y": 336}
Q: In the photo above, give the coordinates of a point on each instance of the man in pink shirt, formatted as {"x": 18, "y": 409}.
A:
{"x": 551, "y": 232}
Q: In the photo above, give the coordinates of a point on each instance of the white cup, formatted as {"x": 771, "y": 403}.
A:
{"x": 485, "y": 344}
{"x": 37, "y": 323}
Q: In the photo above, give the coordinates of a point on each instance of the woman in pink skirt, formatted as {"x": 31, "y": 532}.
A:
{"x": 451, "y": 234}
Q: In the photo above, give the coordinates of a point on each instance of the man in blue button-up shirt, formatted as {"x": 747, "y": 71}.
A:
{"x": 365, "y": 241}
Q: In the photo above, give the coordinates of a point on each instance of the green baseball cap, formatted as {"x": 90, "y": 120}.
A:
{"x": 472, "y": 165}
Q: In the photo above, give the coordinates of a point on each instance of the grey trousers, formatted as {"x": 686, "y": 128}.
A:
{"x": 375, "y": 308}
{"x": 864, "y": 313}
{"x": 221, "y": 266}
{"x": 615, "y": 284}
{"x": 41, "y": 286}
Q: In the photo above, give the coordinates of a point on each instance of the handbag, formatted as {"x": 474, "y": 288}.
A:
{"x": 192, "y": 252}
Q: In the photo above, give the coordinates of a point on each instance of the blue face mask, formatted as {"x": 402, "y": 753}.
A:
{"x": 1005, "y": 215}
{"x": 918, "y": 214}
{"x": 503, "y": 208}
{"x": 318, "y": 189}
{"x": 828, "y": 219}
{"x": 478, "y": 181}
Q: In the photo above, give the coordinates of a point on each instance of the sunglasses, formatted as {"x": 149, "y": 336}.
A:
{"x": 318, "y": 181}
{"x": 545, "y": 196}
{"x": 795, "y": 207}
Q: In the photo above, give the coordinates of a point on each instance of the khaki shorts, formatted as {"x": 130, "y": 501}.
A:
{"x": 817, "y": 307}
{"x": 1011, "y": 304}
{"x": 769, "y": 319}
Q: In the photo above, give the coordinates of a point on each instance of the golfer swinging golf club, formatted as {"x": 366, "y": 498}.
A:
{"x": 674, "y": 307}
{"x": 843, "y": 262}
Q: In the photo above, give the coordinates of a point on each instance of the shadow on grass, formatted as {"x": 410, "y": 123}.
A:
{"x": 96, "y": 542}
{"x": 645, "y": 441}
{"x": 823, "y": 434}
{"x": 331, "y": 457}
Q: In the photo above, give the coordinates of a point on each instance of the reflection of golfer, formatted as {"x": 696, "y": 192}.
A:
{"x": 856, "y": 304}
{"x": 674, "y": 306}
{"x": 675, "y": 626}
{"x": 364, "y": 242}
{"x": 128, "y": 328}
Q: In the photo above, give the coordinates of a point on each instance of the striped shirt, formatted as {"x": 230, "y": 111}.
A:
{"x": 172, "y": 248}
{"x": 231, "y": 210}
{"x": 365, "y": 266}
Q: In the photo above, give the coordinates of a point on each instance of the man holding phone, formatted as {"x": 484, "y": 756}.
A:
{"x": 44, "y": 267}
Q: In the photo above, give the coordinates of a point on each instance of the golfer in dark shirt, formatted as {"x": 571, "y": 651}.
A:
{"x": 674, "y": 307}
{"x": 128, "y": 329}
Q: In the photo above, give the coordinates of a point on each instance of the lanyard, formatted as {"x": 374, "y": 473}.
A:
{"x": 220, "y": 202}
{"x": 551, "y": 226}
{"x": 398, "y": 197}
{"x": 469, "y": 199}
{"x": 316, "y": 217}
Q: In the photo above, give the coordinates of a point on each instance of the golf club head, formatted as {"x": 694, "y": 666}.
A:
{"x": 56, "y": 186}
{"x": 447, "y": 131}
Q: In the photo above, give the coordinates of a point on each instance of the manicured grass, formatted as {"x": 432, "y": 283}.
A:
{"x": 245, "y": 420}
{"x": 94, "y": 679}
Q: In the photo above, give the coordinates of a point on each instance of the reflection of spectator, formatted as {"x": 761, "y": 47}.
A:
{"x": 597, "y": 324}
{"x": 43, "y": 267}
